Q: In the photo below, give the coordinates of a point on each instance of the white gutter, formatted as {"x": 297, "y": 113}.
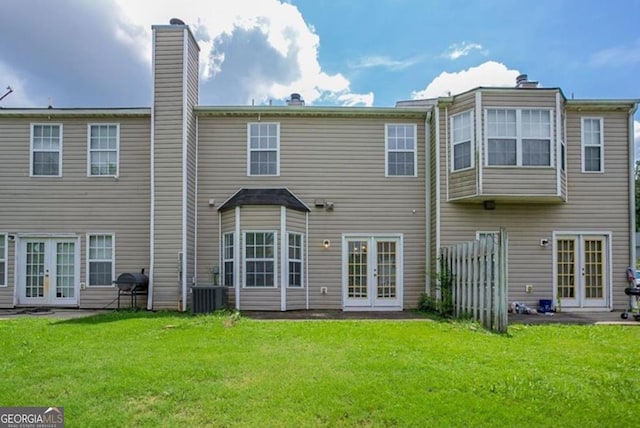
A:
{"x": 185, "y": 254}
{"x": 437, "y": 155}
{"x": 632, "y": 193}
{"x": 195, "y": 214}
{"x": 283, "y": 257}
{"x": 558, "y": 150}
{"x": 152, "y": 223}
{"x": 306, "y": 257}
{"x": 236, "y": 258}
{"x": 427, "y": 201}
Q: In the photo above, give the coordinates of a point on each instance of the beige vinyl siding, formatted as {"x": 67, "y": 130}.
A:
{"x": 168, "y": 137}
{"x": 596, "y": 203}
{"x": 296, "y": 297}
{"x": 462, "y": 184}
{"x": 337, "y": 159}
{"x": 462, "y": 103}
{"x": 513, "y": 98}
{"x": 518, "y": 181}
{"x": 75, "y": 203}
{"x": 192, "y": 146}
{"x": 433, "y": 203}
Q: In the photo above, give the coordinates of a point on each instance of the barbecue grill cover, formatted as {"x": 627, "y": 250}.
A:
{"x": 132, "y": 281}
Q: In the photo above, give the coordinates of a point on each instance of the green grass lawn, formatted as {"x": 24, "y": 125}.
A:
{"x": 166, "y": 369}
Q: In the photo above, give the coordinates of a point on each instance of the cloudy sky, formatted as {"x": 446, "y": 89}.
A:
{"x": 81, "y": 53}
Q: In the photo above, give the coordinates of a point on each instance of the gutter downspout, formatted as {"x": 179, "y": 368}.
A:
{"x": 437, "y": 156}
{"x": 632, "y": 195}
{"x": 427, "y": 202}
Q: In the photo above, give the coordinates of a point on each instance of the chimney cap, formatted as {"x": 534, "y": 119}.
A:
{"x": 295, "y": 100}
{"x": 176, "y": 21}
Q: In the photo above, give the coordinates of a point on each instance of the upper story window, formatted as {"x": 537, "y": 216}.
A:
{"x": 259, "y": 261}
{"x": 518, "y": 137}
{"x": 461, "y": 141}
{"x": 104, "y": 144}
{"x": 46, "y": 150}
{"x": 263, "y": 149}
{"x": 100, "y": 255}
{"x": 401, "y": 154}
{"x": 592, "y": 145}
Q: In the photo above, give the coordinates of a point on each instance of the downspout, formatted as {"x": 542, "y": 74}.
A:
{"x": 195, "y": 214}
{"x": 152, "y": 222}
{"x": 437, "y": 156}
{"x": 427, "y": 200}
{"x": 236, "y": 258}
{"x": 632, "y": 193}
{"x": 306, "y": 258}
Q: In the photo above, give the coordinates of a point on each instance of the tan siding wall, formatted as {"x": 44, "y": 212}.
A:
{"x": 75, "y": 203}
{"x": 519, "y": 181}
{"x": 191, "y": 101}
{"x": 296, "y": 221}
{"x": 296, "y": 298}
{"x": 462, "y": 184}
{"x": 317, "y": 162}
{"x": 463, "y": 103}
{"x": 168, "y": 110}
{"x": 433, "y": 202}
{"x": 514, "y": 99}
{"x": 597, "y": 202}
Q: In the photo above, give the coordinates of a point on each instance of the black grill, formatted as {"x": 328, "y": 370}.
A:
{"x": 132, "y": 284}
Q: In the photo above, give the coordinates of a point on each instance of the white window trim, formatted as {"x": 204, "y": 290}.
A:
{"x": 250, "y": 150}
{"x": 31, "y": 174}
{"x": 117, "y": 125}
{"x": 274, "y": 259}
{"x": 518, "y": 137}
{"x": 5, "y": 258}
{"x": 113, "y": 259}
{"x": 453, "y": 143}
{"x": 300, "y": 260}
{"x": 225, "y": 260}
{"x": 601, "y": 145}
{"x": 386, "y": 149}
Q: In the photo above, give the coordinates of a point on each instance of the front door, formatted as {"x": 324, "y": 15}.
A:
{"x": 48, "y": 271}
{"x": 582, "y": 271}
{"x": 372, "y": 272}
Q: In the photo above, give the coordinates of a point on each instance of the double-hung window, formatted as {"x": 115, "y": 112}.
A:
{"x": 259, "y": 261}
{"x": 104, "y": 141}
{"x": 401, "y": 153}
{"x": 227, "y": 259}
{"x": 46, "y": 150}
{"x": 592, "y": 145}
{"x": 518, "y": 137}
{"x": 3, "y": 260}
{"x": 263, "y": 149}
{"x": 100, "y": 265}
{"x": 461, "y": 141}
{"x": 295, "y": 259}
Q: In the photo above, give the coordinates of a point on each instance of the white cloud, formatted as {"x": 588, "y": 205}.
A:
{"x": 252, "y": 49}
{"x": 490, "y": 73}
{"x": 617, "y": 56}
{"x": 384, "y": 62}
{"x": 19, "y": 96}
{"x": 351, "y": 100}
{"x": 458, "y": 50}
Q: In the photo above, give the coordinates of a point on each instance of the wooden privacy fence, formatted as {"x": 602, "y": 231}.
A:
{"x": 477, "y": 277}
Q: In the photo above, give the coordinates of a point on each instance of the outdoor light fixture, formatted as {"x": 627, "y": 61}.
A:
{"x": 489, "y": 205}
{"x": 326, "y": 244}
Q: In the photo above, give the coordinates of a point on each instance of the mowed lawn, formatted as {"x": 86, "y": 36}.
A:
{"x": 164, "y": 370}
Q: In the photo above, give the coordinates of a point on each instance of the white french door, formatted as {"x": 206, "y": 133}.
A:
{"x": 49, "y": 271}
{"x": 581, "y": 271}
{"x": 372, "y": 272}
